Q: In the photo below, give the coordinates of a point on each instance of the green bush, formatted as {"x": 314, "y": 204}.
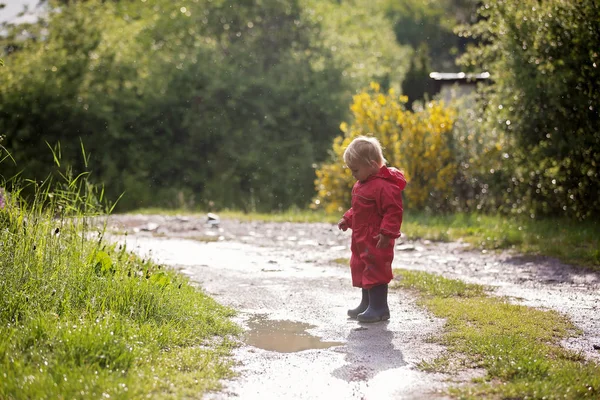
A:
{"x": 543, "y": 60}
{"x": 419, "y": 143}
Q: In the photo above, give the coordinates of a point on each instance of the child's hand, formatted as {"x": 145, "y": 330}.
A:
{"x": 382, "y": 241}
{"x": 343, "y": 225}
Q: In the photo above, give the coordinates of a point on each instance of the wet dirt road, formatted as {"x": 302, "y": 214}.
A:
{"x": 292, "y": 298}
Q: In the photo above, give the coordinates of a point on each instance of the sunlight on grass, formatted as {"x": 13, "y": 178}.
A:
{"x": 518, "y": 346}
{"x": 436, "y": 285}
{"x": 80, "y": 317}
{"x": 572, "y": 242}
{"x": 342, "y": 261}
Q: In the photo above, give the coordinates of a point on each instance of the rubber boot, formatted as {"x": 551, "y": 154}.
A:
{"x": 378, "y": 309}
{"x": 364, "y": 303}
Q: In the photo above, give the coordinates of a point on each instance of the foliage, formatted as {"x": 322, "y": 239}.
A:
{"x": 211, "y": 102}
{"x": 482, "y": 159}
{"x": 417, "y": 85}
{"x": 83, "y": 318}
{"x": 543, "y": 59}
{"x": 425, "y": 152}
{"x": 419, "y": 143}
{"x": 428, "y": 28}
{"x": 361, "y": 40}
{"x": 431, "y": 23}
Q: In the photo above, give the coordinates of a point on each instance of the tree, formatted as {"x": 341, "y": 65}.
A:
{"x": 416, "y": 84}
{"x": 223, "y": 102}
{"x": 543, "y": 59}
{"x": 431, "y": 24}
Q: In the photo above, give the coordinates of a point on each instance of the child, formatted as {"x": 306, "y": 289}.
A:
{"x": 375, "y": 219}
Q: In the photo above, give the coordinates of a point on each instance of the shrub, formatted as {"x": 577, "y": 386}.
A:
{"x": 543, "y": 59}
{"x": 417, "y": 142}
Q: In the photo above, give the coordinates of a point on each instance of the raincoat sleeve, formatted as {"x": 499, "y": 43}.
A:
{"x": 348, "y": 217}
{"x": 389, "y": 204}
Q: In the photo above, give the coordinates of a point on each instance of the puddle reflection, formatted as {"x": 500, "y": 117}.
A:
{"x": 370, "y": 349}
{"x": 283, "y": 336}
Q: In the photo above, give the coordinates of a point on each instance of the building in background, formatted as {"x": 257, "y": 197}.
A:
{"x": 449, "y": 85}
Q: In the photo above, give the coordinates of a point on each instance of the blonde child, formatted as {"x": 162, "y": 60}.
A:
{"x": 375, "y": 219}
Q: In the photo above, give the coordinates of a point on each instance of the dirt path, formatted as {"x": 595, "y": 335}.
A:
{"x": 292, "y": 296}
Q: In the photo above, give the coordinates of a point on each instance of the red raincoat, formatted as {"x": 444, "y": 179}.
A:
{"x": 376, "y": 208}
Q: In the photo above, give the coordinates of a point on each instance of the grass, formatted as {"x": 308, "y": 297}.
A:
{"x": 293, "y": 215}
{"x": 518, "y": 346}
{"x": 576, "y": 243}
{"x": 342, "y": 261}
{"x": 572, "y": 242}
{"x": 82, "y": 318}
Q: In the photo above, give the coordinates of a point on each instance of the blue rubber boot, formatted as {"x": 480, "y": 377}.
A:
{"x": 378, "y": 309}
{"x": 364, "y": 303}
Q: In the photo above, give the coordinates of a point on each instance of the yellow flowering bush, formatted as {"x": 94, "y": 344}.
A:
{"x": 418, "y": 143}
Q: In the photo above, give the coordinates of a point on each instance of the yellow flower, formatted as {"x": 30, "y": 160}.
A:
{"x": 416, "y": 142}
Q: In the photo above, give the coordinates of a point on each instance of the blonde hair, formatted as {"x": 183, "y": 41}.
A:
{"x": 365, "y": 150}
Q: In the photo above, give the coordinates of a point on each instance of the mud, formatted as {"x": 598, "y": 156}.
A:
{"x": 282, "y": 336}
{"x": 285, "y": 275}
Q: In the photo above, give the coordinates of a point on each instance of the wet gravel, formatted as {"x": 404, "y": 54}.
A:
{"x": 539, "y": 282}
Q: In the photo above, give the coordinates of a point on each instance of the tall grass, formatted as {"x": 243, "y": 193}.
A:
{"x": 83, "y": 318}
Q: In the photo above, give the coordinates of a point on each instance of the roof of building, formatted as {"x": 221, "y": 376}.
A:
{"x": 458, "y": 76}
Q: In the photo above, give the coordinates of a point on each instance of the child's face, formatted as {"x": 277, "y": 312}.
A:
{"x": 362, "y": 171}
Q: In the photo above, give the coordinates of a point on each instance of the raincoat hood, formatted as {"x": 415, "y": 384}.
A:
{"x": 393, "y": 175}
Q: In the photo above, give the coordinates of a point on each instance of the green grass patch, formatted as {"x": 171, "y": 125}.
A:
{"x": 204, "y": 238}
{"x": 436, "y": 285}
{"x": 518, "y": 346}
{"x": 342, "y": 261}
{"x": 572, "y": 242}
{"x": 81, "y": 318}
{"x": 293, "y": 215}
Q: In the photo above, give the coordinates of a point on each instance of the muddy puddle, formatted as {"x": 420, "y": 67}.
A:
{"x": 283, "y": 336}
